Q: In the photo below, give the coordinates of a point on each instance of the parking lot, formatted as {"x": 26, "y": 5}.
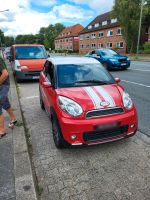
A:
{"x": 118, "y": 170}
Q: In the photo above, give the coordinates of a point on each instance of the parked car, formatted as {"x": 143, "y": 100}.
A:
{"x": 86, "y": 104}
{"x": 27, "y": 60}
{"x": 110, "y": 59}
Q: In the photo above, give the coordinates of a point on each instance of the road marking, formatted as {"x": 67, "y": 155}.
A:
{"x": 148, "y": 86}
{"x": 141, "y": 70}
{"x": 30, "y": 97}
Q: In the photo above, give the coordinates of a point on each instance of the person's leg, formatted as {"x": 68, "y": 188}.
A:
{"x": 2, "y": 128}
{"x": 11, "y": 114}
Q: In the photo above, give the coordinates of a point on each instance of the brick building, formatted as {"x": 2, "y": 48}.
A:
{"x": 68, "y": 39}
{"x": 103, "y": 31}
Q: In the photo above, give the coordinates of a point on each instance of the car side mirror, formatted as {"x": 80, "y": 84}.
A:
{"x": 48, "y": 56}
{"x": 47, "y": 84}
{"x": 117, "y": 80}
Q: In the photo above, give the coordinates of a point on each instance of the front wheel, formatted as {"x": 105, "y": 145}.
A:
{"x": 57, "y": 134}
{"x": 41, "y": 102}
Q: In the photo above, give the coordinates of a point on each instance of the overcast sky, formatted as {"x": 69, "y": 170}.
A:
{"x": 27, "y": 16}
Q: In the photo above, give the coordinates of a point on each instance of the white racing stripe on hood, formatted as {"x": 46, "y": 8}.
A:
{"x": 105, "y": 95}
{"x": 94, "y": 97}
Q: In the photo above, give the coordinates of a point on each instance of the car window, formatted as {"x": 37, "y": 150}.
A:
{"x": 30, "y": 52}
{"x": 108, "y": 52}
{"x": 74, "y": 75}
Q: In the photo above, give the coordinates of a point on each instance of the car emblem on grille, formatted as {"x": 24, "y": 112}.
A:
{"x": 104, "y": 103}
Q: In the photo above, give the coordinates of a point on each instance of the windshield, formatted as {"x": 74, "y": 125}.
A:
{"x": 30, "y": 52}
{"x": 108, "y": 52}
{"x": 81, "y": 75}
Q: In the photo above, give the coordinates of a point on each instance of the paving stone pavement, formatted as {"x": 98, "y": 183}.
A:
{"x": 7, "y": 182}
{"x": 111, "y": 171}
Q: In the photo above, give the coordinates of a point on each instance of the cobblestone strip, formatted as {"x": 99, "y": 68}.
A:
{"x": 24, "y": 183}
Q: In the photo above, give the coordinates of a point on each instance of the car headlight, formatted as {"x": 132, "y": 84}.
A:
{"x": 128, "y": 58}
{"x": 22, "y": 67}
{"x": 127, "y": 101}
{"x": 70, "y": 106}
{"x": 113, "y": 60}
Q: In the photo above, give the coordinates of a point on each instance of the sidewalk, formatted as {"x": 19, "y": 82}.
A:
{"x": 16, "y": 179}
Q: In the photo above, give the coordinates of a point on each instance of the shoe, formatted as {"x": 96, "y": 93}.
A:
{"x": 12, "y": 124}
{"x": 2, "y": 135}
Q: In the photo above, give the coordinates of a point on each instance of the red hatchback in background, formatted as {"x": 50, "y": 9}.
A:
{"x": 86, "y": 104}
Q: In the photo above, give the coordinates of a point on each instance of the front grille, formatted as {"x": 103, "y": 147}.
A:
{"x": 103, "y": 112}
{"x": 122, "y": 59}
{"x": 93, "y": 136}
{"x": 33, "y": 73}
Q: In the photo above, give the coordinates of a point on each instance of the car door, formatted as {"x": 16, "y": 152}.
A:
{"x": 47, "y": 85}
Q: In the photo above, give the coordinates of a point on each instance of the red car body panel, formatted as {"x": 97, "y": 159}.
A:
{"x": 109, "y": 94}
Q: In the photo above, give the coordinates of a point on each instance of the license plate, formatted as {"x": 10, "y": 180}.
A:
{"x": 35, "y": 77}
{"x": 123, "y": 64}
{"x": 106, "y": 126}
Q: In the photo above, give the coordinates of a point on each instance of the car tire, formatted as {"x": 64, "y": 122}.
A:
{"x": 105, "y": 65}
{"x": 41, "y": 102}
{"x": 58, "y": 140}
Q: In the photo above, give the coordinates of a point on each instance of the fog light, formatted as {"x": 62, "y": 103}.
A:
{"x": 73, "y": 137}
{"x": 132, "y": 126}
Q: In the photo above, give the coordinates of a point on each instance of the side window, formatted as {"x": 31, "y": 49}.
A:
{"x": 49, "y": 71}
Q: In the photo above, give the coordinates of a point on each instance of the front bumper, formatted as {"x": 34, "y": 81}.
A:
{"x": 119, "y": 65}
{"x": 28, "y": 75}
{"x": 79, "y": 128}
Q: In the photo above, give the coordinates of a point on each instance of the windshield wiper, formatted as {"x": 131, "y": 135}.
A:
{"x": 93, "y": 81}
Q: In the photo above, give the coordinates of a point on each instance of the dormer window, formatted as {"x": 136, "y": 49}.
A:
{"x": 96, "y": 25}
{"x": 113, "y": 20}
{"x": 104, "y": 23}
{"x": 90, "y": 26}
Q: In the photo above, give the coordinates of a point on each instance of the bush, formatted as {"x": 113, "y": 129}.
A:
{"x": 147, "y": 46}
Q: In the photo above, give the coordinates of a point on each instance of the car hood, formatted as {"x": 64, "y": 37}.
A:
{"x": 115, "y": 57}
{"x": 32, "y": 64}
{"x": 94, "y": 97}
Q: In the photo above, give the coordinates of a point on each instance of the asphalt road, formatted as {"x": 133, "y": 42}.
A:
{"x": 136, "y": 82}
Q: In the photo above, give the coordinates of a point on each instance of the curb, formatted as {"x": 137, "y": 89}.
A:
{"x": 24, "y": 182}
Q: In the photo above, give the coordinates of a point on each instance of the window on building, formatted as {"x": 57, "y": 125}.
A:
{"x": 119, "y": 31}
{"x": 119, "y": 44}
{"x": 87, "y": 46}
{"x": 90, "y": 26}
{"x": 110, "y": 33}
{"x": 104, "y": 23}
{"x": 93, "y": 35}
{"x": 81, "y": 46}
{"x": 96, "y": 25}
{"x": 100, "y": 45}
{"x": 66, "y": 40}
{"x": 113, "y": 20}
{"x": 81, "y": 37}
{"x": 87, "y": 36}
{"x": 109, "y": 45}
{"x": 93, "y": 46}
{"x": 100, "y": 34}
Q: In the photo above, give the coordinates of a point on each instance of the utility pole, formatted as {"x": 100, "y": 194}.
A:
{"x": 0, "y": 36}
{"x": 139, "y": 33}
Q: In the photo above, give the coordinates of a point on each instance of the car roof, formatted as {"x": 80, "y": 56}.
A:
{"x": 16, "y": 45}
{"x": 72, "y": 60}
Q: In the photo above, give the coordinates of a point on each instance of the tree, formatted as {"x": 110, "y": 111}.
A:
{"x": 25, "y": 39}
{"x": 128, "y": 14}
{"x": 9, "y": 41}
{"x": 51, "y": 32}
{"x": 2, "y": 40}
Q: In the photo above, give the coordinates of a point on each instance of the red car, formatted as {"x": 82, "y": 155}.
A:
{"x": 85, "y": 103}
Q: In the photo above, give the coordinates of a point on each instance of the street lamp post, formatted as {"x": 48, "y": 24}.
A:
{"x": 139, "y": 33}
{"x": 0, "y": 36}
